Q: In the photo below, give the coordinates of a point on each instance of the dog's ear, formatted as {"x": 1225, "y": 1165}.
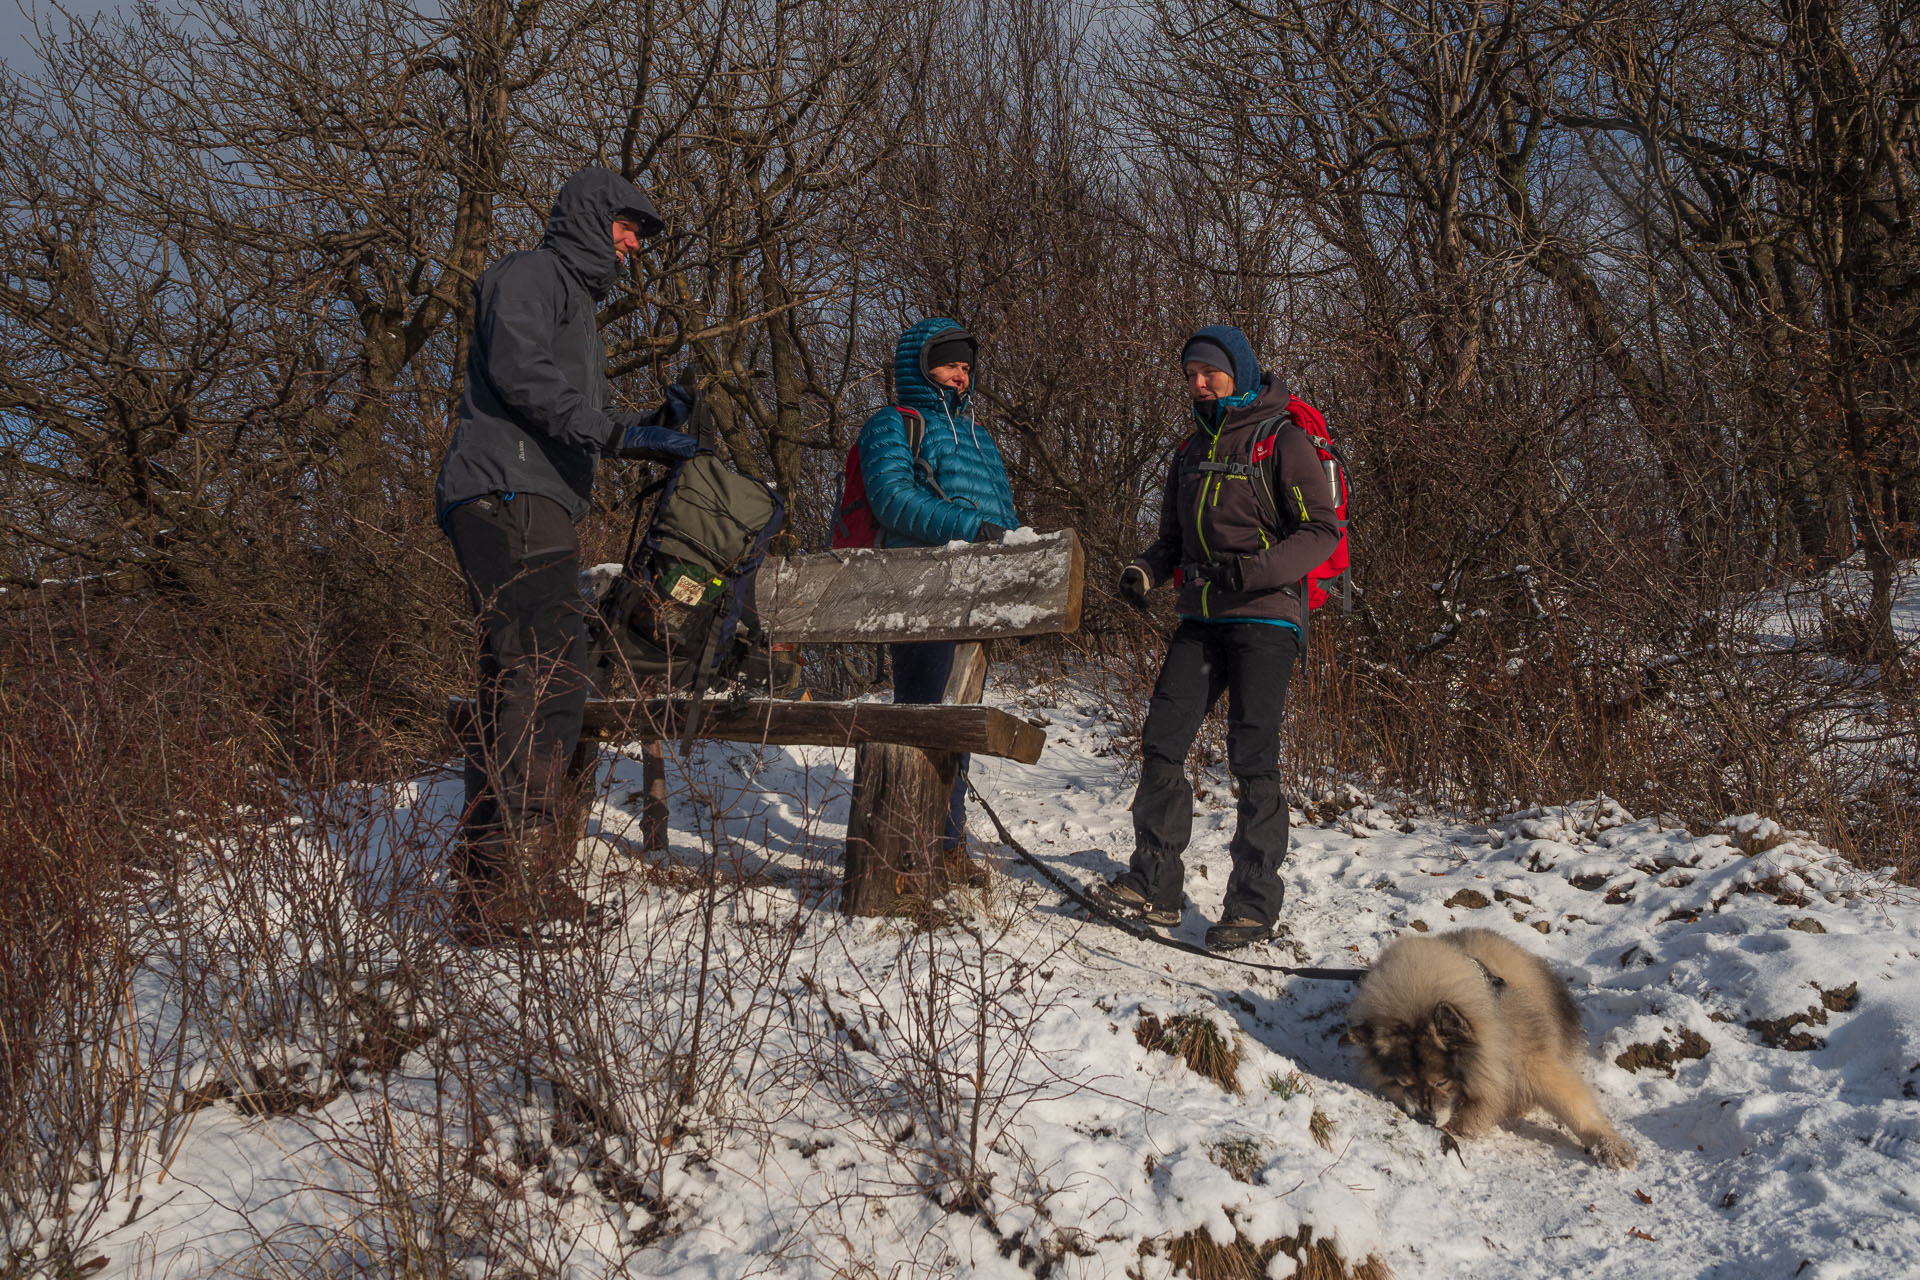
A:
{"x": 1451, "y": 1026}
{"x": 1360, "y": 1033}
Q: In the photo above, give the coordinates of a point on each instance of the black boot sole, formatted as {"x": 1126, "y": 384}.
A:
{"x": 1237, "y": 940}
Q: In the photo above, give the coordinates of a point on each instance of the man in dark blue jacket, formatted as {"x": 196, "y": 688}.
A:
{"x": 534, "y": 416}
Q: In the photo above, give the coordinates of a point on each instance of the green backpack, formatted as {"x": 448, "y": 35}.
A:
{"x": 682, "y": 608}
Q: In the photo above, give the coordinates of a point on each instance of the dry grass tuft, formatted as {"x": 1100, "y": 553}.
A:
{"x": 1200, "y": 1256}
{"x": 1289, "y": 1086}
{"x": 1194, "y": 1039}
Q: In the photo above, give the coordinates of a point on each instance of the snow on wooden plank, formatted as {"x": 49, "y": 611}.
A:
{"x": 1029, "y": 585}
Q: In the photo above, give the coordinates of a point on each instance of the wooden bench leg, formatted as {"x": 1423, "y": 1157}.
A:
{"x": 580, "y": 791}
{"x": 653, "y": 814}
{"x": 894, "y": 828}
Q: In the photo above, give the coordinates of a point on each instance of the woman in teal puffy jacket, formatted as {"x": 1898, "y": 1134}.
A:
{"x": 955, "y": 489}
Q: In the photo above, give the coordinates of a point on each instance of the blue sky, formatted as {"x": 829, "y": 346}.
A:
{"x": 16, "y": 26}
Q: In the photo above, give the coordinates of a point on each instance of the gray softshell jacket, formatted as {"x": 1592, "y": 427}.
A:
{"x": 534, "y": 417}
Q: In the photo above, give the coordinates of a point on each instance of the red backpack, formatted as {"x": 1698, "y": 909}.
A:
{"x": 853, "y": 522}
{"x": 1309, "y": 420}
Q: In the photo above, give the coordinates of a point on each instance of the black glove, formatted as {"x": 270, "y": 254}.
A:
{"x": 636, "y": 436}
{"x": 989, "y": 532}
{"x": 1134, "y": 586}
{"x": 700, "y": 425}
{"x": 1224, "y": 574}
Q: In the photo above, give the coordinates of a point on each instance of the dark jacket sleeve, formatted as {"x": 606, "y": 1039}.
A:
{"x": 1160, "y": 559}
{"x": 518, "y": 316}
{"x": 1301, "y": 494}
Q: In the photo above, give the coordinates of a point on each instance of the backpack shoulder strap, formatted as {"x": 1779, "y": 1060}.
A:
{"x": 1265, "y": 470}
{"x": 916, "y": 428}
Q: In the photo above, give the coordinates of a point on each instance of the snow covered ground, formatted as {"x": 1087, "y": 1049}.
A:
{"x": 741, "y": 1082}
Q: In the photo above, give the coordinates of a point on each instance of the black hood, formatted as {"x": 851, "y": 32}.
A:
{"x": 580, "y": 228}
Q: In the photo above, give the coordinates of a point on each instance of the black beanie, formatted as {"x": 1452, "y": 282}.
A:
{"x": 949, "y": 346}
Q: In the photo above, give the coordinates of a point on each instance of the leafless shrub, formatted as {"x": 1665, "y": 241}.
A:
{"x": 935, "y": 1054}
{"x": 95, "y": 761}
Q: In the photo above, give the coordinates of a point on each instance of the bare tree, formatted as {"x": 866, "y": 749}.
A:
{"x": 1771, "y": 151}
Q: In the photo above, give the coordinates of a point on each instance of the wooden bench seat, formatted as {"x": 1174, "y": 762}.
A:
{"x": 983, "y": 731}
{"x": 907, "y": 756}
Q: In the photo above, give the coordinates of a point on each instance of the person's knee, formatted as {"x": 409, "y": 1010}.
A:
{"x": 1253, "y": 759}
{"x": 1158, "y": 772}
{"x": 1262, "y": 796}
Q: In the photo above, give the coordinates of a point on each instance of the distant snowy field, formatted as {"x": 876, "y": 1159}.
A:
{"x": 1761, "y": 990}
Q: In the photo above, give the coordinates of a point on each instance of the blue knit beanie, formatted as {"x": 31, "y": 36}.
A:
{"x": 1227, "y": 349}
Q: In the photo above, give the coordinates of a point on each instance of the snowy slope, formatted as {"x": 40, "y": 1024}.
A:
{"x": 856, "y": 1077}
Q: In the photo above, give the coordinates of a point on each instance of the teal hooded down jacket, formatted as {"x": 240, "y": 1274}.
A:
{"x": 962, "y": 457}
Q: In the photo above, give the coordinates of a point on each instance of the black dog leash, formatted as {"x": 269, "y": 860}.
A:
{"x": 1141, "y": 931}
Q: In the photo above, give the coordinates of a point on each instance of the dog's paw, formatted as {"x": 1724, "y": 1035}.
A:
{"x": 1615, "y": 1152}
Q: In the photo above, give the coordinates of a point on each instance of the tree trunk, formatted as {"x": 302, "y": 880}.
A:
{"x": 899, "y": 812}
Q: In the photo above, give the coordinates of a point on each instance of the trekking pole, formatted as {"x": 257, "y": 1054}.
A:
{"x": 697, "y": 695}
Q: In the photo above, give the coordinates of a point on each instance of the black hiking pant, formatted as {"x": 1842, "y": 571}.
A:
{"x": 521, "y": 560}
{"x": 1251, "y": 663}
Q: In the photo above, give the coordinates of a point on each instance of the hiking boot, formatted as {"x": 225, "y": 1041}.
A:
{"x": 481, "y": 915}
{"x": 1237, "y": 931}
{"x": 555, "y": 904}
{"x": 1128, "y": 903}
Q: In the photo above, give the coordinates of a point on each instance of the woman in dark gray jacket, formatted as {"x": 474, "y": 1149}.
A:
{"x": 1246, "y": 514}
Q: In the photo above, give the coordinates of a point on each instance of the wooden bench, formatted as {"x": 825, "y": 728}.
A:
{"x": 906, "y": 755}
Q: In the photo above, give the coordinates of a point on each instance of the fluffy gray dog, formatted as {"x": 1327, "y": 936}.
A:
{"x": 1466, "y": 1030}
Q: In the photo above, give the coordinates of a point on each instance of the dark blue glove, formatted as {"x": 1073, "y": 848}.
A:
{"x": 989, "y": 532}
{"x": 1133, "y": 586}
{"x": 636, "y": 436}
{"x": 680, "y": 405}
